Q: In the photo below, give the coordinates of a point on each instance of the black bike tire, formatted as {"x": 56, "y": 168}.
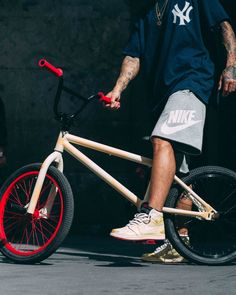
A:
{"x": 67, "y": 218}
{"x": 171, "y": 231}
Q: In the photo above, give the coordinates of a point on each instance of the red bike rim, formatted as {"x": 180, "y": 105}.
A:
{"x": 37, "y": 227}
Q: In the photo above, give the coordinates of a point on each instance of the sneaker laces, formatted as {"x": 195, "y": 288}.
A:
{"x": 162, "y": 247}
{"x": 139, "y": 218}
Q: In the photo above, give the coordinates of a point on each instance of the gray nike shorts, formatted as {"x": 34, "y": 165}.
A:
{"x": 182, "y": 123}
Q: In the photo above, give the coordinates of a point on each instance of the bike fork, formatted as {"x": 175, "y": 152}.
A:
{"x": 54, "y": 157}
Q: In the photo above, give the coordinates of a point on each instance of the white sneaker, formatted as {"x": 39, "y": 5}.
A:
{"x": 142, "y": 227}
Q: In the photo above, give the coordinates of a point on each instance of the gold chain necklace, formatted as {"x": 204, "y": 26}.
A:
{"x": 160, "y": 12}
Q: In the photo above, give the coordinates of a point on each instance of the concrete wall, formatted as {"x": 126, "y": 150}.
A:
{"x": 85, "y": 38}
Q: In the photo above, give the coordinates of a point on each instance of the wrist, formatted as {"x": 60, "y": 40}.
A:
{"x": 231, "y": 61}
{"x": 117, "y": 89}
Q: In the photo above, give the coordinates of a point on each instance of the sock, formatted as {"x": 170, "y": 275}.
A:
{"x": 145, "y": 208}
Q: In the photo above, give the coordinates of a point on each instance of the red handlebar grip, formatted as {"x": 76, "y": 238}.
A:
{"x": 57, "y": 71}
{"x": 104, "y": 98}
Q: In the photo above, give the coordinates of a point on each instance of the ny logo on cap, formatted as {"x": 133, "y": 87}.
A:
{"x": 182, "y": 14}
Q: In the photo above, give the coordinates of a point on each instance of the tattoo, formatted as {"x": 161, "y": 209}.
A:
{"x": 129, "y": 70}
{"x": 229, "y": 41}
{"x": 230, "y": 73}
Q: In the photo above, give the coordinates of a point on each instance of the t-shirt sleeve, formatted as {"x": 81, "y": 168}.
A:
{"x": 133, "y": 47}
{"x": 214, "y": 12}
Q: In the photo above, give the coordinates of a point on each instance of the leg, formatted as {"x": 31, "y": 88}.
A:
{"x": 184, "y": 203}
{"x": 165, "y": 253}
{"x": 148, "y": 224}
{"x": 181, "y": 123}
{"x": 163, "y": 171}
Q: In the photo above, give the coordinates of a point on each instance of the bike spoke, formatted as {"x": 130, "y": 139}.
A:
{"x": 211, "y": 239}
{"x": 31, "y": 233}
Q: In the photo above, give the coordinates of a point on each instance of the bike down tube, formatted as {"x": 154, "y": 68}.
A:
{"x": 207, "y": 214}
{"x": 102, "y": 174}
{"x": 54, "y": 157}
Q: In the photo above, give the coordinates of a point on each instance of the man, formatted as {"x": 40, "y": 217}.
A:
{"x": 169, "y": 44}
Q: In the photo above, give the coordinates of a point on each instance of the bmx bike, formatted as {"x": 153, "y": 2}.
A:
{"x": 37, "y": 207}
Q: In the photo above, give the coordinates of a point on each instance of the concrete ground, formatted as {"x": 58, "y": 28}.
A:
{"x": 98, "y": 265}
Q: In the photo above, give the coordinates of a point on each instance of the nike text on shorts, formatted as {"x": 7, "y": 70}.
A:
{"x": 182, "y": 122}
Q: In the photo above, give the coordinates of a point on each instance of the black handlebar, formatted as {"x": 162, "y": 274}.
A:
{"x": 67, "y": 119}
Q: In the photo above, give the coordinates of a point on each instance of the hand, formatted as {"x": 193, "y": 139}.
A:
{"x": 115, "y": 100}
{"x": 228, "y": 80}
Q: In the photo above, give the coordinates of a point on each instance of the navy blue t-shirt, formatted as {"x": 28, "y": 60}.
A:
{"x": 174, "y": 55}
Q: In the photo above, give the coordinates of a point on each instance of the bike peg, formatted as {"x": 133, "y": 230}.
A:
{"x": 56, "y": 71}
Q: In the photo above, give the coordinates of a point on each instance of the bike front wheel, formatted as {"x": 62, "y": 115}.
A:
{"x": 31, "y": 238}
{"x": 202, "y": 241}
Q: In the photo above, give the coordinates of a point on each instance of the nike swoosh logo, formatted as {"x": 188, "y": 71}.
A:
{"x": 165, "y": 129}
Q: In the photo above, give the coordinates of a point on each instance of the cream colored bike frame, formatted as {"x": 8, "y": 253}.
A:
{"x": 64, "y": 143}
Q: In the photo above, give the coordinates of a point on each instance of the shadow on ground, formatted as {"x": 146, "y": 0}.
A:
{"x": 105, "y": 249}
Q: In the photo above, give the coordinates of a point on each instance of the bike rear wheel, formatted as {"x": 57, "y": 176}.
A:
{"x": 31, "y": 238}
{"x": 207, "y": 242}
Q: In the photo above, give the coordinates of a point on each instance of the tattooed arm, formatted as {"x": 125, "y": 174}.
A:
{"x": 228, "y": 77}
{"x": 129, "y": 70}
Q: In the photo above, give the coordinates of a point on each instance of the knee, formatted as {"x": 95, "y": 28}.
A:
{"x": 160, "y": 145}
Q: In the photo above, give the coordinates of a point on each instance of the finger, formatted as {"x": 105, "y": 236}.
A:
{"x": 220, "y": 83}
{"x": 109, "y": 108}
{"x": 117, "y": 105}
{"x": 230, "y": 87}
{"x": 113, "y": 106}
{"x": 226, "y": 88}
{"x": 107, "y": 105}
